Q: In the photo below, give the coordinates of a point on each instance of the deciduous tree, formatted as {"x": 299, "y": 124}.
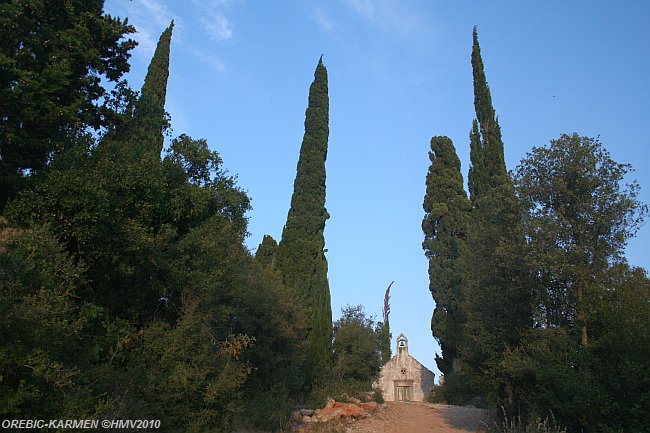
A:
{"x": 579, "y": 220}
{"x": 357, "y": 353}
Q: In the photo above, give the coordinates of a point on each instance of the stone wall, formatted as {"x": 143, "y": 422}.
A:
{"x": 405, "y": 370}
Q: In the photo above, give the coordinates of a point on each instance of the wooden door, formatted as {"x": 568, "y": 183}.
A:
{"x": 403, "y": 393}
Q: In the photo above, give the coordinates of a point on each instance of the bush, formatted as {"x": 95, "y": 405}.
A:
{"x": 457, "y": 389}
{"x": 377, "y": 396}
{"x": 438, "y": 395}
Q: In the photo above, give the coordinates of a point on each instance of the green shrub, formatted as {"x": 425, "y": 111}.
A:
{"x": 377, "y": 396}
{"x": 458, "y": 389}
{"x": 438, "y": 395}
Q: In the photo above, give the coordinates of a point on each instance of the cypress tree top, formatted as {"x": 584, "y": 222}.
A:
{"x": 154, "y": 89}
{"x": 266, "y": 252}
{"x": 445, "y": 202}
{"x": 490, "y": 150}
{"x": 145, "y": 129}
{"x": 482, "y": 97}
{"x": 307, "y": 215}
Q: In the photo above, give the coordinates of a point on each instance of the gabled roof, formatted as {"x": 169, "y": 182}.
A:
{"x": 394, "y": 358}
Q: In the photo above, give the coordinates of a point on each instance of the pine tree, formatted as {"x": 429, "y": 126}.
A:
{"x": 497, "y": 299}
{"x": 445, "y": 225}
{"x": 301, "y": 252}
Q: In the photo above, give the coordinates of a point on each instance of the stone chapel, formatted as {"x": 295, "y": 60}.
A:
{"x": 404, "y": 378}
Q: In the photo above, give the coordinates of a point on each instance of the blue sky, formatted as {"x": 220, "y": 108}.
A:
{"x": 399, "y": 73}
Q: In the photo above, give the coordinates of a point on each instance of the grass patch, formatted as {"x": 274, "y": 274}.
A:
{"x": 517, "y": 425}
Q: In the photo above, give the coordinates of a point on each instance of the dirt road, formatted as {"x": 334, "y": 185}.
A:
{"x": 422, "y": 418}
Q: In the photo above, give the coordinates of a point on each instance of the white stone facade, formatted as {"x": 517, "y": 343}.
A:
{"x": 403, "y": 378}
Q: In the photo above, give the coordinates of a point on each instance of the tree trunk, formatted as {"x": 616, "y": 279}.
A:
{"x": 582, "y": 317}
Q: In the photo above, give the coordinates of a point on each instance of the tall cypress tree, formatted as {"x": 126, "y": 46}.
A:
{"x": 497, "y": 300}
{"x": 383, "y": 328}
{"x": 128, "y": 167}
{"x": 300, "y": 256}
{"x": 149, "y": 115}
{"x": 476, "y": 162}
{"x": 492, "y": 168}
{"x": 445, "y": 225}
{"x": 142, "y": 133}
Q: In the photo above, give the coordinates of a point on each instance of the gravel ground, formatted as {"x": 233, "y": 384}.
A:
{"x": 423, "y": 418}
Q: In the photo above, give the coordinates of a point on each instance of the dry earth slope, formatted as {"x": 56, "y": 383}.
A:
{"x": 423, "y": 418}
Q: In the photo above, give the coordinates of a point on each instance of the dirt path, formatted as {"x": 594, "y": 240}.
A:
{"x": 422, "y": 418}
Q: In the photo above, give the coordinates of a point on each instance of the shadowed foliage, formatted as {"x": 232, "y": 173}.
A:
{"x": 301, "y": 252}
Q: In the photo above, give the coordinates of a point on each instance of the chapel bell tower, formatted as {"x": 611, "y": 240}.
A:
{"x": 402, "y": 347}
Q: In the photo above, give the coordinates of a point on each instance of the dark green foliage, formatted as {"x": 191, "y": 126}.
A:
{"x": 242, "y": 298}
{"x": 491, "y": 168}
{"x": 591, "y": 310}
{"x": 357, "y": 347}
{"x": 45, "y": 351}
{"x": 177, "y": 374}
{"x": 52, "y": 60}
{"x": 459, "y": 389}
{"x": 150, "y": 108}
{"x": 579, "y": 220}
{"x": 383, "y": 328}
{"x": 267, "y": 313}
{"x": 445, "y": 229}
{"x": 200, "y": 187}
{"x": 141, "y": 134}
{"x": 108, "y": 215}
{"x": 488, "y": 170}
{"x": 621, "y": 340}
{"x": 497, "y": 299}
{"x": 544, "y": 374}
{"x": 144, "y": 131}
{"x": 267, "y": 251}
{"x": 476, "y": 162}
{"x": 198, "y": 162}
{"x": 496, "y": 286}
{"x": 126, "y": 290}
{"x": 117, "y": 209}
{"x": 137, "y": 268}
{"x": 357, "y": 354}
{"x": 384, "y": 335}
{"x": 301, "y": 257}
{"x": 552, "y": 372}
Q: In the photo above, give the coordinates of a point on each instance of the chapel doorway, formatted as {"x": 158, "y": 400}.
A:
{"x": 403, "y": 390}
{"x": 404, "y": 393}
